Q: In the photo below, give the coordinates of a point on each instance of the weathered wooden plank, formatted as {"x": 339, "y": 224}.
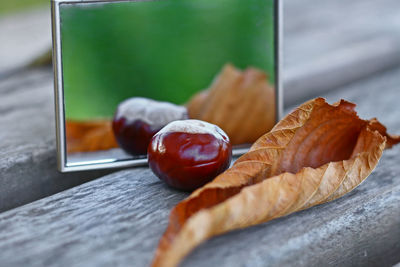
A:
{"x": 118, "y": 219}
{"x": 326, "y": 46}
{"x": 27, "y": 148}
{"x": 337, "y": 42}
{"x": 324, "y": 26}
{"x": 24, "y": 36}
{"x": 340, "y": 67}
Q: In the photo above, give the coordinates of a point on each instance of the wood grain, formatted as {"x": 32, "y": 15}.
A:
{"x": 27, "y": 141}
{"x": 118, "y": 219}
{"x": 318, "y": 48}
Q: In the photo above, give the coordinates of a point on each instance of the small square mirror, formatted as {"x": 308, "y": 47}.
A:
{"x": 139, "y": 64}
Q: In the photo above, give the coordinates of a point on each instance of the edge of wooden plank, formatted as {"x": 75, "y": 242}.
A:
{"x": 341, "y": 67}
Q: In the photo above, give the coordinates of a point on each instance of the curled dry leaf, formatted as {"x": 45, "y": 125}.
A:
{"x": 316, "y": 154}
{"x": 232, "y": 88}
{"x": 89, "y": 136}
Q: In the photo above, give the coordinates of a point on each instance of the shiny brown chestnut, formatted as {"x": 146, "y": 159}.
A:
{"x": 187, "y": 154}
{"x": 138, "y": 119}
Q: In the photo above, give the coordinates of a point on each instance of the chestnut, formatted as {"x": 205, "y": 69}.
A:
{"x": 138, "y": 119}
{"x": 187, "y": 154}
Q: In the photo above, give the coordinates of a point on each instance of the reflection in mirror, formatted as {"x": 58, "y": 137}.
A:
{"x": 129, "y": 68}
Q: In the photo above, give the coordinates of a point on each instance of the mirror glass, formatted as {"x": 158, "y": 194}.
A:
{"x": 130, "y": 67}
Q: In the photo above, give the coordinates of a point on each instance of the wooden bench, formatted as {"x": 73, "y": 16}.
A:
{"x": 337, "y": 49}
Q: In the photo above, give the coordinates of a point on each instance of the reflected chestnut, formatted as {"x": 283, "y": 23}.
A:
{"x": 138, "y": 119}
{"x": 187, "y": 154}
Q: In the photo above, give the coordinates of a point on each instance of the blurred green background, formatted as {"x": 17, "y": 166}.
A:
{"x": 166, "y": 50}
{"x": 10, "y": 6}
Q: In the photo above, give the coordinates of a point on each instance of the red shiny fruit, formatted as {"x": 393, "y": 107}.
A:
{"x": 188, "y": 154}
{"x": 138, "y": 119}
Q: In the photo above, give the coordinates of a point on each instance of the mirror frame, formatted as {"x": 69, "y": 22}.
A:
{"x": 62, "y": 163}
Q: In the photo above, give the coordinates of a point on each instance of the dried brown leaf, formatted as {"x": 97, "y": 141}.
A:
{"x": 316, "y": 154}
{"x": 89, "y": 136}
{"x": 232, "y": 88}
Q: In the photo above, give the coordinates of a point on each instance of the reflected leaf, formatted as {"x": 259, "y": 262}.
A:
{"x": 232, "y": 88}
{"x": 89, "y": 136}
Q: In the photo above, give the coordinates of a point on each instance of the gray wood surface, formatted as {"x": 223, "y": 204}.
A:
{"x": 27, "y": 141}
{"x": 24, "y": 36}
{"x": 118, "y": 219}
{"x": 328, "y": 43}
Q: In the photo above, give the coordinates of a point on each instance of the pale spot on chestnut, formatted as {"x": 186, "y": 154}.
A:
{"x": 187, "y": 154}
{"x": 138, "y": 119}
